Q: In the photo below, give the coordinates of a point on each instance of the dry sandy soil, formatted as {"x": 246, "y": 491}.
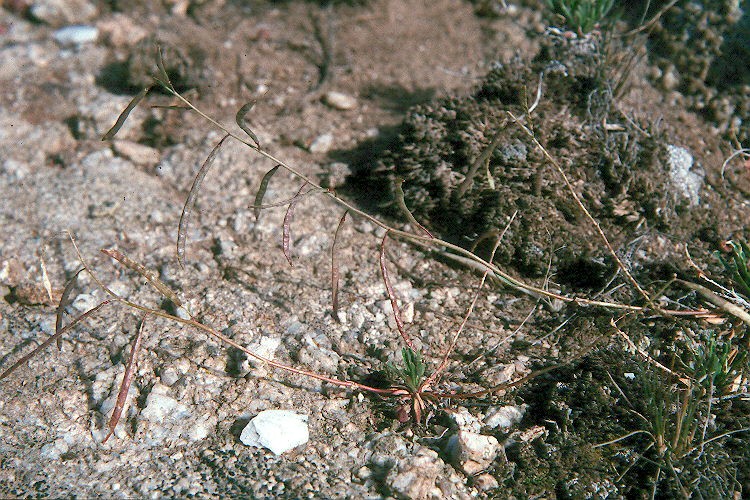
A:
{"x": 191, "y": 396}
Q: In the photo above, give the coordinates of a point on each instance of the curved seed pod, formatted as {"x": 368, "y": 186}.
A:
{"x": 187, "y": 210}
{"x": 125, "y": 113}
{"x": 64, "y": 299}
{"x": 240, "y": 119}
{"x": 127, "y": 380}
{"x": 286, "y": 227}
{"x": 163, "y": 77}
{"x": 262, "y": 192}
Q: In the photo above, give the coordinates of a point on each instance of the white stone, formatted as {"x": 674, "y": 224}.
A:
{"x": 339, "y": 100}
{"x": 75, "y": 35}
{"x": 463, "y": 419}
{"x": 686, "y": 181}
{"x": 161, "y": 408}
{"x": 277, "y": 430}
{"x": 85, "y": 302}
{"x": 60, "y": 12}
{"x": 504, "y": 417}
{"x": 322, "y": 143}
{"x": 474, "y": 452}
{"x": 486, "y": 482}
{"x": 267, "y": 347}
{"x": 416, "y": 476}
{"x": 55, "y": 449}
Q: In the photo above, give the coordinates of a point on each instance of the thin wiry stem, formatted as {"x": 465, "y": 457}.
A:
{"x": 191, "y": 321}
{"x": 456, "y": 252}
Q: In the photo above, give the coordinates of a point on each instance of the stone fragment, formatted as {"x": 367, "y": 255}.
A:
{"x": 474, "y": 452}
{"x": 61, "y": 12}
{"x": 277, "y": 430}
{"x": 504, "y": 417}
{"x": 533, "y": 433}
{"x": 71, "y": 36}
{"x": 486, "y": 482}
{"x": 322, "y": 143}
{"x": 120, "y": 31}
{"x": 161, "y": 408}
{"x": 415, "y": 475}
{"x": 137, "y": 153}
{"x": 339, "y": 100}
{"x": 463, "y": 420}
{"x": 686, "y": 180}
{"x": 11, "y": 272}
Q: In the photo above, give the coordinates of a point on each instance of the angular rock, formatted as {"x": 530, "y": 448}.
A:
{"x": 120, "y": 31}
{"x": 61, "y": 12}
{"x": 486, "y": 482}
{"x": 504, "y": 417}
{"x": 340, "y": 101}
{"x": 415, "y": 476}
{"x": 277, "y": 430}
{"x": 474, "y": 452}
{"x": 322, "y": 143}
{"x": 463, "y": 420}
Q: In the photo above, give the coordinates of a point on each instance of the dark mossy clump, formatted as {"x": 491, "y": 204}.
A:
{"x": 701, "y": 49}
{"x": 617, "y": 166}
{"x": 602, "y": 419}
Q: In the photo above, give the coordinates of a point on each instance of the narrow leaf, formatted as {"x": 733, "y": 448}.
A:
{"x": 262, "y": 192}
{"x": 287, "y": 233}
{"x": 146, "y": 273}
{"x": 240, "y": 119}
{"x": 187, "y": 210}
{"x": 392, "y": 294}
{"x": 402, "y": 205}
{"x": 127, "y": 380}
{"x": 163, "y": 77}
{"x": 45, "y": 279}
{"x": 51, "y": 339}
{"x": 335, "y": 269}
{"x": 126, "y": 112}
{"x": 64, "y": 300}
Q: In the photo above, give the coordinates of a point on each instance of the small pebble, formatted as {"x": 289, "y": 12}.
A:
{"x": 137, "y": 153}
{"x": 277, "y": 430}
{"x": 475, "y": 452}
{"x": 61, "y": 12}
{"x": 322, "y": 143}
{"x": 686, "y": 180}
{"x": 486, "y": 482}
{"x": 340, "y": 101}
{"x": 504, "y": 417}
{"x": 75, "y": 35}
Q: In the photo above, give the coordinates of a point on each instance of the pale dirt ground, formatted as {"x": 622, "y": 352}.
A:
{"x": 51, "y": 411}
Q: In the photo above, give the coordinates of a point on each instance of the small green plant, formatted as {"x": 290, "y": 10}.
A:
{"x": 412, "y": 372}
{"x": 581, "y": 15}
{"x": 737, "y": 266}
{"x": 409, "y": 383}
